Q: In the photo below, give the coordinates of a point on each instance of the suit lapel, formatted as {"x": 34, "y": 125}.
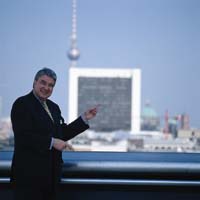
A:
{"x": 56, "y": 117}
{"x": 41, "y": 110}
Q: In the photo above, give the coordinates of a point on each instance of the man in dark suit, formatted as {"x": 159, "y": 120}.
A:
{"x": 40, "y": 136}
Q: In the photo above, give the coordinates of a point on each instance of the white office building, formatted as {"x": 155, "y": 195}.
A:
{"x": 116, "y": 91}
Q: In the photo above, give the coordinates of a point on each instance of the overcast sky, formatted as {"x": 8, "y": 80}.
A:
{"x": 161, "y": 37}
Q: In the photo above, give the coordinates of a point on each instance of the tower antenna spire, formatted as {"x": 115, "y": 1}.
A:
{"x": 74, "y": 53}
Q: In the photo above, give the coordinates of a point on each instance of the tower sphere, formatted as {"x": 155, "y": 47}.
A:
{"x": 73, "y": 54}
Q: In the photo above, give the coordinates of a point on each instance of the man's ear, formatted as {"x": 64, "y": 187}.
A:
{"x": 34, "y": 83}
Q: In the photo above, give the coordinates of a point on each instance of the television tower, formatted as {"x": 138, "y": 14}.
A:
{"x": 73, "y": 53}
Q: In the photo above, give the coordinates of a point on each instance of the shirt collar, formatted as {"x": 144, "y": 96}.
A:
{"x": 42, "y": 102}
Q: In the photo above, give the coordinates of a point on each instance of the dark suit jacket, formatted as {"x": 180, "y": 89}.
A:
{"x": 33, "y": 162}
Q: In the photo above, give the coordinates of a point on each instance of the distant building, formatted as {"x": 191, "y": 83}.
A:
{"x": 116, "y": 90}
{"x": 173, "y": 126}
{"x": 185, "y": 122}
{"x": 149, "y": 118}
{"x": 6, "y": 134}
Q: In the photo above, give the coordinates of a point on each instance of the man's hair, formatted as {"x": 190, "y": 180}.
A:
{"x": 46, "y": 71}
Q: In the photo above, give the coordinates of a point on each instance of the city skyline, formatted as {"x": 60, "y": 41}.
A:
{"x": 159, "y": 37}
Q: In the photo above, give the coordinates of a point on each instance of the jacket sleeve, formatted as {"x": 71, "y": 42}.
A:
{"x": 74, "y": 128}
{"x": 25, "y": 135}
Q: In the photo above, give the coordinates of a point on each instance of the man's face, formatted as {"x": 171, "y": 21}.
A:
{"x": 43, "y": 87}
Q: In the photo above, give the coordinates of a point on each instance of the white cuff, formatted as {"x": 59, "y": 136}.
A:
{"x": 51, "y": 145}
{"x": 84, "y": 119}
